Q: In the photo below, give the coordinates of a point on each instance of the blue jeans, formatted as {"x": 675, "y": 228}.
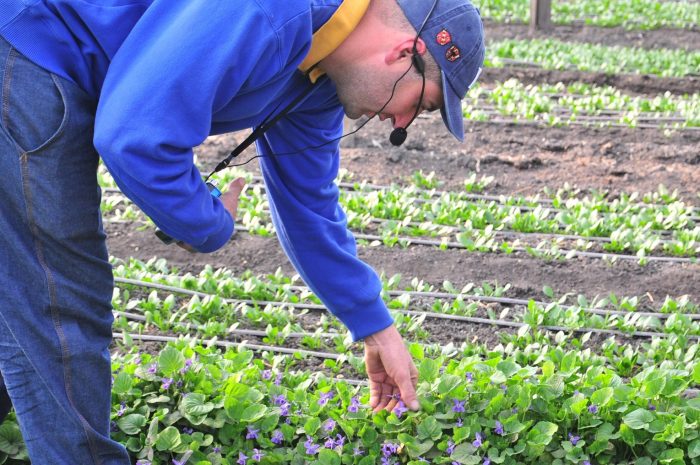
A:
{"x": 55, "y": 278}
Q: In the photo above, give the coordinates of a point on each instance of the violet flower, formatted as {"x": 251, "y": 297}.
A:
{"x": 477, "y": 442}
{"x": 252, "y": 433}
{"x": 400, "y": 409}
{"x": 574, "y": 439}
{"x": 499, "y": 428}
{"x": 458, "y": 406}
{"x": 277, "y": 437}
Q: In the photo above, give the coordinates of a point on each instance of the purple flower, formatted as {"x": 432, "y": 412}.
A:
{"x": 450, "y": 447}
{"x": 499, "y": 428}
{"x": 166, "y": 383}
{"x": 329, "y": 444}
{"x": 242, "y": 459}
{"x": 389, "y": 449}
{"x": 278, "y": 379}
{"x": 356, "y": 452}
{"x": 593, "y": 408}
{"x": 329, "y": 425}
{"x": 421, "y": 459}
{"x": 458, "y": 406}
{"x": 585, "y": 462}
{"x": 396, "y": 396}
{"x": 137, "y": 360}
{"x": 477, "y": 442}
{"x": 113, "y": 427}
{"x": 187, "y": 430}
{"x": 277, "y": 437}
{"x": 470, "y": 376}
{"x": 400, "y": 409}
{"x": 153, "y": 368}
{"x": 577, "y": 392}
{"x": 651, "y": 407}
{"x": 325, "y": 397}
{"x": 188, "y": 362}
{"x": 574, "y": 439}
{"x": 216, "y": 449}
{"x": 339, "y": 440}
{"x": 267, "y": 374}
{"x": 311, "y": 448}
{"x": 179, "y": 462}
{"x": 257, "y": 455}
{"x": 459, "y": 422}
{"x": 143, "y": 462}
{"x": 504, "y": 387}
{"x": 252, "y": 433}
{"x": 514, "y": 410}
{"x": 354, "y": 405}
{"x": 122, "y": 409}
{"x": 487, "y": 461}
{"x": 178, "y": 384}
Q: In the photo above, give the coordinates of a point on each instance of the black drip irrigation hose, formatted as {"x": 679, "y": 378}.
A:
{"x": 445, "y": 316}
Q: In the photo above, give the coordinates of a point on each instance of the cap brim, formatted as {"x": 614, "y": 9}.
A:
{"x": 452, "y": 110}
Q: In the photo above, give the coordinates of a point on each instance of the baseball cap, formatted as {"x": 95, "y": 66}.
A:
{"x": 454, "y": 35}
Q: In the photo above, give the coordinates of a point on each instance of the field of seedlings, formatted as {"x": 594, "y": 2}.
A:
{"x": 544, "y": 274}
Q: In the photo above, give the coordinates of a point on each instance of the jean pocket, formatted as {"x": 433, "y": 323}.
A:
{"x": 34, "y": 110}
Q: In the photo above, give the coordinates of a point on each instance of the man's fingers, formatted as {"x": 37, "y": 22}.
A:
{"x": 375, "y": 392}
{"x": 237, "y": 186}
{"x": 408, "y": 393}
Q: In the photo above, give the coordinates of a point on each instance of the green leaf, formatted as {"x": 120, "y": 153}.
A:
{"x": 328, "y": 457}
{"x": 639, "y": 419}
{"x": 542, "y": 433}
{"x": 170, "y": 360}
{"x": 195, "y": 408}
{"x": 122, "y": 383}
{"x": 508, "y": 367}
{"x": 131, "y": 424}
{"x": 168, "y": 439}
{"x": 253, "y": 413}
{"x": 448, "y": 383}
{"x": 10, "y": 439}
{"x": 694, "y": 449}
{"x": 312, "y": 425}
{"x": 429, "y": 429}
{"x": 601, "y": 397}
{"x": 429, "y": 370}
{"x": 465, "y": 454}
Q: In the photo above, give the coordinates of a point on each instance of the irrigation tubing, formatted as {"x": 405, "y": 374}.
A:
{"x": 238, "y": 332}
{"x": 570, "y": 253}
{"x": 417, "y": 240}
{"x": 431, "y": 295}
{"x": 445, "y": 316}
{"x": 502, "y": 200}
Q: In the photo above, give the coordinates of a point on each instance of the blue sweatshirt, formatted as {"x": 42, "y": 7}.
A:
{"x": 168, "y": 73}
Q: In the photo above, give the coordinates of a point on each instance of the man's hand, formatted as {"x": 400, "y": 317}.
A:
{"x": 230, "y": 201}
{"x": 230, "y": 197}
{"x": 391, "y": 371}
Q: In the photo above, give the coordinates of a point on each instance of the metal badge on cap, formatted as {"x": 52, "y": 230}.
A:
{"x": 452, "y": 53}
{"x": 443, "y": 37}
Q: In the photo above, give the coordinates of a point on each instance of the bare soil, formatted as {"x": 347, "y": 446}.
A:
{"x": 523, "y": 159}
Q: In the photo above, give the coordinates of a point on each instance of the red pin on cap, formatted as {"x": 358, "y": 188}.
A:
{"x": 443, "y": 37}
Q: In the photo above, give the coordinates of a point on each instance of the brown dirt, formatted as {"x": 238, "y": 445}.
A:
{"x": 659, "y": 38}
{"x": 523, "y": 159}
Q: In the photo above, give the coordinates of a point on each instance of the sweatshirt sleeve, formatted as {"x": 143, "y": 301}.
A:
{"x": 310, "y": 223}
{"x": 181, "y": 61}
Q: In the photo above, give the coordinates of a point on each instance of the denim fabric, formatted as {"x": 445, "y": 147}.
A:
{"x": 55, "y": 279}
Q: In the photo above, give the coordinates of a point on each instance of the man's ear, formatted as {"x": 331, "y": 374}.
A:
{"x": 404, "y": 50}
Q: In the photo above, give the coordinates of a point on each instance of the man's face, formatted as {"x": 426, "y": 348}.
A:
{"x": 363, "y": 90}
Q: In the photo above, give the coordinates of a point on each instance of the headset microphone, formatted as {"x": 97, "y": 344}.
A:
{"x": 398, "y": 136}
